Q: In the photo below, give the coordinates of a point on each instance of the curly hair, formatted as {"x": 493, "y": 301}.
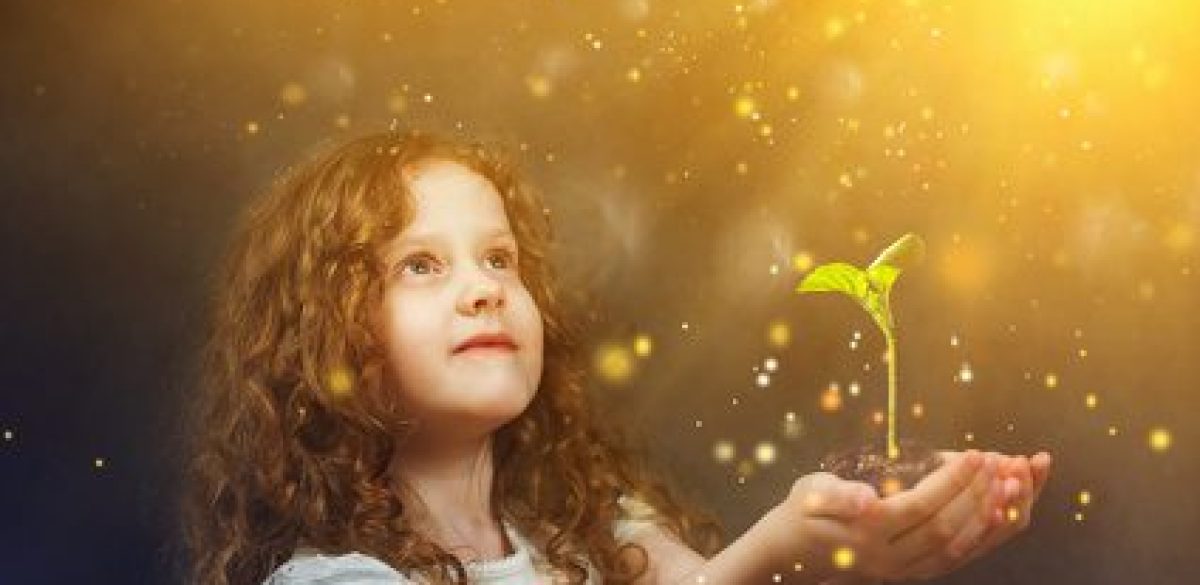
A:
{"x": 294, "y": 431}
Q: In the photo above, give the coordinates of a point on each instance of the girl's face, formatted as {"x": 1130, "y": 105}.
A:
{"x": 452, "y": 277}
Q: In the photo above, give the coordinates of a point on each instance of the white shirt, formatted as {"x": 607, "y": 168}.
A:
{"x": 526, "y": 566}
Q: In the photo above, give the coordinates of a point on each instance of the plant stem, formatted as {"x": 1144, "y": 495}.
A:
{"x": 893, "y": 450}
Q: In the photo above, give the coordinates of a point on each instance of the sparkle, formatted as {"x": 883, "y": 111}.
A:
{"x": 1085, "y": 498}
{"x": 779, "y": 333}
{"x": 98, "y": 463}
{"x": 642, "y": 345}
{"x": 792, "y": 427}
{"x": 891, "y": 486}
{"x": 1159, "y": 439}
{"x": 764, "y": 453}
{"x": 252, "y": 128}
{"x": 969, "y": 437}
{"x": 339, "y": 382}
{"x": 802, "y": 261}
{"x": 762, "y": 380}
{"x": 918, "y": 410}
{"x": 1090, "y": 400}
{"x": 634, "y": 75}
{"x": 771, "y": 364}
{"x": 1079, "y": 516}
{"x": 724, "y": 451}
{"x": 878, "y": 417}
{"x": 831, "y": 398}
{"x": 834, "y": 28}
{"x": 1112, "y": 431}
{"x": 684, "y": 326}
{"x": 965, "y": 375}
{"x": 1012, "y": 513}
{"x": 773, "y": 270}
{"x": 8, "y": 434}
{"x": 843, "y": 558}
{"x": 613, "y": 362}
{"x": 539, "y": 86}
{"x": 745, "y": 107}
{"x": 1051, "y": 380}
{"x": 854, "y": 389}
{"x": 293, "y": 94}
{"x": 953, "y": 341}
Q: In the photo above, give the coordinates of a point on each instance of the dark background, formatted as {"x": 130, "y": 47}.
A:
{"x": 697, "y": 157}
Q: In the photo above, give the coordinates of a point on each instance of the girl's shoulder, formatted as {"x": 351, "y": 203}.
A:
{"x": 308, "y": 567}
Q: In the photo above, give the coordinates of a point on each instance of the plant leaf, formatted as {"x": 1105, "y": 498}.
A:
{"x": 904, "y": 253}
{"x": 836, "y": 277}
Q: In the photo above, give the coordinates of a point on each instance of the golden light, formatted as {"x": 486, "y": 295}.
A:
{"x": 252, "y": 127}
{"x": 779, "y": 333}
{"x": 539, "y": 86}
{"x": 843, "y": 558}
{"x": 918, "y": 410}
{"x": 1085, "y": 498}
{"x": 293, "y": 94}
{"x": 764, "y": 453}
{"x": 802, "y": 261}
{"x": 1090, "y": 400}
{"x": 339, "y": 382}
{"x": 831, "y": 399}
{"x": 745, "y": 106}
{"x": 724, "y": 451}
{"x": 634, "y": 75}
{"x": 1050, "y": 380}
{"x": 613, "y": 363}
{"x": 1159, "y": 440}
{"x": 642, "y": 346}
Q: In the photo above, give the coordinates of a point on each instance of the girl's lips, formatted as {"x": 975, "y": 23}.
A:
{"x": 487, "y": 341}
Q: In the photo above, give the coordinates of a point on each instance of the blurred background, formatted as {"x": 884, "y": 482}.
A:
{"x": 698, "y": 158}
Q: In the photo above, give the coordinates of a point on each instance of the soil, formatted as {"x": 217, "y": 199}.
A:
{"x": 870, "y": 464}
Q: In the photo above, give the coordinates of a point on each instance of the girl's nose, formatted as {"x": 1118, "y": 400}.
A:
{"x": 483, "y": 294}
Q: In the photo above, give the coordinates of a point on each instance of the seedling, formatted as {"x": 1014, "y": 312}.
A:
{"x": 871, "y": 289}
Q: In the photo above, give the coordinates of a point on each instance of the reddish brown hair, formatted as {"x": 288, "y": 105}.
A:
{"x": 295, "y": 433}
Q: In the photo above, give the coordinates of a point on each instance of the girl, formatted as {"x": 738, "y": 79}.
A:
{"x": 392, "y": 393}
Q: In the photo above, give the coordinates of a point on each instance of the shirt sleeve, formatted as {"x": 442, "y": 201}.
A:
{"x": 347, "y": 569}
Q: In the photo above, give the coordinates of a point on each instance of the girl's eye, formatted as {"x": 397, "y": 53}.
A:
{"x": 501, "y": 259}
{"x": 417, "y": 264}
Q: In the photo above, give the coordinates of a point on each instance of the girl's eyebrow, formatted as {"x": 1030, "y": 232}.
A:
{"x": 407, "y": 240}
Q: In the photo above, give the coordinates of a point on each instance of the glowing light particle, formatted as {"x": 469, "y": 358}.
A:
{"x": 1159, "y": 439}
{"x": 802, "y": 261}
{"x": 1090, "y": 400}
{"x": 744, "y": 106}
{"x": 764, "y": 453}
{"x": 771, "y": 364}
{"x": 293, "y": 94}
{"x": 779, "y": 333}
{"x": 891, "y": 486}
{"x": 613, "y": 363}
{"x": 831, "y": 398}
{"x": 634, "y": 75}
{"x": 834, "y": 28}
{"x": 965, "y": 375}
{"x": 1050, "y": 380}
{"x": 724, "y": 451}
{"x": 339, "y": 382}
{"x": 843, "y": 558}
{"x": 99, "y": 463}
{"x": 642, "y": 346}
{"x": 539, "y": 86}
{"x": 854, "y": 388}
{"x": 762, "y": 380}
{"x": 878, "y": 417}
{"x": 1085, "y": 498}
{"x": 252, "y": 127}
{"x": 1112, "y": 431}
{"x": 918, "y": 410}
{"x": 792, "y": 427}
{"x": 1012, "y": 514}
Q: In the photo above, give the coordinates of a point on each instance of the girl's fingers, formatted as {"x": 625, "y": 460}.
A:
{"x": 909, "y": 509}
{"x": 946, "y": 537}
{"x": 829, "y": 496}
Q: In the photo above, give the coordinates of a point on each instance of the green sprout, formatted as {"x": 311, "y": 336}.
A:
{"x": 871, "y": 288}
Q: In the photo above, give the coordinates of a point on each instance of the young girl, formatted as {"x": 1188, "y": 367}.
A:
{"x": 392, "y": 393}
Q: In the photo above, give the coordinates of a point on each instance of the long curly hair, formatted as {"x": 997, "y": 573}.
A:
{"x": 295, "y": 430}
